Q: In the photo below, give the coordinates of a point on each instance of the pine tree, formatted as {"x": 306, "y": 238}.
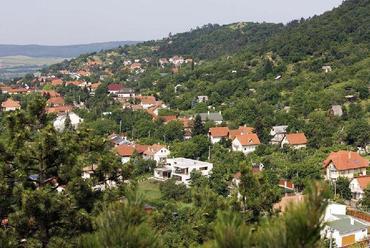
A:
{"x": 198, "y": 127}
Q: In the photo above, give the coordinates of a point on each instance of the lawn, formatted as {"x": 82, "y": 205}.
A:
{"x": 149, "y": 190}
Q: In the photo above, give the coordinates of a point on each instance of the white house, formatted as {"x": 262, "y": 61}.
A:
{"x": 157, "y": 153}
{"x": 217, "y": 133}
{"x": 344, "y": 164}
{"x": 278, "y": 133}
{"x": 59, "y": 122}
{"x": 245, "y": 143}
{"x": 181, "y": 168}
{"x": 294, "y": 140}
{"x": 343, "y": 229}
{"x": 358, "y": 186}
{"x": 126, "y": 93}
{"x": 125, "y": 151}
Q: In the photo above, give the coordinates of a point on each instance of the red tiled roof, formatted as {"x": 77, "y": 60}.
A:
{"x": 56, "y": 100}
{"x": 56, "y": 82}
{"x": 59, "y": 109}
{"x": 95, "y": 86}
{"x": 125, "y": 150}
{"x": 296, "y": 139}
{"x": 147, "y": 100}
{"x": 364, "y": 181}
{"x": 51, "y": 93}
{"x": 153, "y": 149}
{"x": 248, "y": 139}
{"x": 168, "y": 118}
{"x": 345, "y": 160}
{"x": 241, "y": 130}
{"x": 115, "y": 87}
{"x": 10, "y": 104}
{"x": 219, "y": 131}
{"x": 186, "y": 122}
{"x": 141, "y": 148}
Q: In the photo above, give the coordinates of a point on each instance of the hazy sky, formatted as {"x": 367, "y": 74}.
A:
{"x": 84, "y": 21}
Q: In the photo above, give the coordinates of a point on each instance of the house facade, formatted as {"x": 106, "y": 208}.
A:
{"x": 358, "y": 186}
{"x": 158, "y": 153}
{"x": 344, "y": 164}
{"x": 246, "y": 143}
{"x": 181, "y": 168}
{"x": 277, "y": 133}
{"x": 217, "y": 133}
{"x": 10, "y": 105}
{"x": 294, "y": 140}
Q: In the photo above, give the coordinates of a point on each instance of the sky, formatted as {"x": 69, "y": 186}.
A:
{"x": 62, "y": 22}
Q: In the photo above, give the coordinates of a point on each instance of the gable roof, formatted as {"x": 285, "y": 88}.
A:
{"x": 115, "y": 87}
{"x": 345, "y": 160}
{"x": 296, "y": 138}
{"x": 56, "y": 100}
{"x": 219, "y": 132}
{"x": 147, "y": 100}
{"x": 10, "y": 103}
{"x": 241, "y": 130}
{"x": 363, "y": 181}
{"x": 125, "y": 150}
{"x": 154, "y": 149}
{"x": 168, "y": 118}
{"x": 249, "y": 139}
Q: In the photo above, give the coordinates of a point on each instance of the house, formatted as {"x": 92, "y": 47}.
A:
{"x": 55, "y": 101}
{"x": 336, "y": 110}
{"x": 343, "y": 229}
{"x": 278, "y": 133}
{"x": 177, "y": 60}
{"x": 181, "y": 168}
{"x": 245, "y": 143}
{"x": 294, "y": 140}
{"x": 126, "y": 93}
{"x": 201, "y": 99}
{"x": 117, "y": 140}
{"x": 56, "y": 82}
{"x": 216, "y": 117}
{"x": 218, "y": 133}
{"x": 157, "y": 152}
{"x": 59, "y": 109}
{"x": 10, "y": 105}
{"x": 287, "y": 186}
{"x": 88, "y": 171}
{"x": 358, "y": 186}
{"x": 344, "y": 164}
{"x": 135, "y": 66}
{"x": 327, "y": 68}
{"x": 241, "y": 130}
{"x": 168, "y": 118}
{"x": 163, "y": 61}
{"x": 59, "y": 122}
{"x": 147, "y": 101}
{"x": 125, "y": 151}
{"x": 187, "y": 123}
{"x": 114, "y": 88}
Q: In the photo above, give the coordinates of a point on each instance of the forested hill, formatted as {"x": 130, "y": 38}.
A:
{"x": 333, "y": 34}
{"x": 68, "y": 51}
{"x": 211, "y": 41}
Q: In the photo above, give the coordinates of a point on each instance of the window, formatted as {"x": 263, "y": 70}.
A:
{"x": 203, "y": 168}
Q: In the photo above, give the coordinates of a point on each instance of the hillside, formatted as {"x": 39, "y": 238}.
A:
{"x": 95, "y": 151}
{"x": 68, "y": 51}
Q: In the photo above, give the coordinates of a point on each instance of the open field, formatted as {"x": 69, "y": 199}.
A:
{"x": 149, "y": 190}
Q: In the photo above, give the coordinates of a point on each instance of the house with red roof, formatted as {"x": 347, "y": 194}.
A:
{"x": 55, "y": 101}
{"x": 241, "y": 130}
{"x": 294, "y": 140}
{"x": 216, "y": 134}
{"x": 125, "y": 151}
{"x": 59, "y": 109}
{"x": 10, "y": 105}
{"x": 358, "y": 186}
{"x": 344, "y": 164}
{"x": 57, "y": 82}
{"x": 157, "y": 152}
{"x": 245, "y": 143}
{"x": 115, "y": 88}
{"x": 168, "y": 118}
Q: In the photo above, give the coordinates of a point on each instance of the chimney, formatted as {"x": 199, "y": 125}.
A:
{"x": 352, "y": 221}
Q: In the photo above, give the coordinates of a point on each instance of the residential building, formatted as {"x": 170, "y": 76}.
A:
{"x": 114, "y": 88}
{"x": 59, "y": 122}
{"x": 245, "y": 143}
{"x": 343, "y": 229}
{"x": 10, "y": 105}
{"x": 126, "y": 93}
{"x": 117, "y": 140}
{"x": 358, "y": 186}
{"x": 294, "y": 140}
{"x": 241, "y": 130}
{"x": 201, "y": 99}
{"x": 336, "y": 110}
{"x": 344, "y": 164}
{"x": 216, "y": 117}
{"x": 88, "y": 171}
{"x": 218, "y": 133}
{"x": 181, "y": 168}
{"x": 157, "y": 152}
{"x": 125, "y": 151}
{"x": 55, "y": 101}
{"x": 278, "y": 133}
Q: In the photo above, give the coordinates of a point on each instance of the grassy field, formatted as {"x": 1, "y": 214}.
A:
{"x": 150, "y": 190}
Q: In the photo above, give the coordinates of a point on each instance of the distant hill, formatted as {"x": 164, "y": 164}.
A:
{"x": 68, "y": 51}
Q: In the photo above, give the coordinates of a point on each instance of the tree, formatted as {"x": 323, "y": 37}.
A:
{"x": 122, "y": 225}
{"x": 358, "y": 132}
{"x": 342, "y": 188}
{"x": 198, "y": 127}
{"x": 171, "y": 190}
{"x": 365, "y": 202}
{"x": 68, "y": 123}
